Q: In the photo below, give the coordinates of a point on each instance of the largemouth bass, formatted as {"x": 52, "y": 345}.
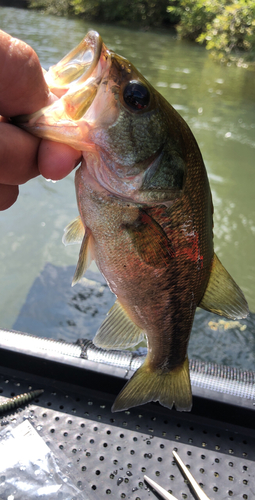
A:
{"x": 146, "y": 215}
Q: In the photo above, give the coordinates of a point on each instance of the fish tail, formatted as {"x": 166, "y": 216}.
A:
{"x": 169, "y": 388}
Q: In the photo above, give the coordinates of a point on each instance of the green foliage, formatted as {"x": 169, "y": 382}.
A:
{"x": 193, "y": 15}
{"x": 231, "y": 34}
{"x": 55, "y": 7}
{"x": 227, "y": 27}
{"x": 144, "y": 13}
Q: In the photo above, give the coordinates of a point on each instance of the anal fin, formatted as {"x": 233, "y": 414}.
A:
{"x": 170, "y": 388}
{"x": 222, "y": 295}
{"x": 74, "y": 232}
{"x": 117, "y": 330}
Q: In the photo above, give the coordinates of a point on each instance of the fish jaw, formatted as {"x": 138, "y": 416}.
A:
{"x": 55, "y": 123}
{"x": 77, "y": 65}
{"x": 75, "y": 80}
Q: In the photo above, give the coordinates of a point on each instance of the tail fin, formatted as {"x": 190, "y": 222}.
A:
{"x": 169, "y": 388}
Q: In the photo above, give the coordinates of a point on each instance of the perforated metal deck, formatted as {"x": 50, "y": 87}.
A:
{"x": 112, "y": 452}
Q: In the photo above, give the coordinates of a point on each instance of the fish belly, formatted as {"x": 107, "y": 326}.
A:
{"x": 161, "y": 300}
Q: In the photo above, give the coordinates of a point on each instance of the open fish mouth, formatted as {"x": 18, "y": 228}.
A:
{"x": 77, "y": 66}
{"x": 75, "y": 80}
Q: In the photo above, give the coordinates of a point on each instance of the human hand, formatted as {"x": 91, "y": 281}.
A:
{"x": 23, "y": 90}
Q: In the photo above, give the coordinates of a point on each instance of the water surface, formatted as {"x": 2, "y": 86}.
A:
{"x": 217, "y": 102}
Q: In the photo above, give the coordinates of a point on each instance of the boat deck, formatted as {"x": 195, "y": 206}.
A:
{"x": 111, "y": 452}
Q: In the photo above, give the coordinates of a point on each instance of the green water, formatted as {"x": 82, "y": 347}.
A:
{"x": 217, "y": 102}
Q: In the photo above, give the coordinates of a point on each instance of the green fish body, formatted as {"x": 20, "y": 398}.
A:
{"x": 146, "y": 215}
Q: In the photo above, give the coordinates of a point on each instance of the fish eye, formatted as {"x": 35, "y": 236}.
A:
{"x": 136, "y": 95}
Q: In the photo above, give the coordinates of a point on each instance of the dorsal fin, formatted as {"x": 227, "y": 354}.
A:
{"x": 222, "y": 295}
{"x": 74, "y": 232}
{"x": 85, "y": 257}
{"x": 117, "y": 330}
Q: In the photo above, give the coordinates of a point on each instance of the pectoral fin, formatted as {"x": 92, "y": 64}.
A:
{"x": 117, "y": 330}
{"x": 222, "y": 295}
{"x": 85, "y": 257}
{"x": 150, "y": 241}
{"x": 74, "y": 232}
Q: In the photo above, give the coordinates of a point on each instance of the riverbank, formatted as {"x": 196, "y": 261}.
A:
{"x": 143, "y": 14}
{"x": 226, "y": 29}
{"x": 19, "y": 4}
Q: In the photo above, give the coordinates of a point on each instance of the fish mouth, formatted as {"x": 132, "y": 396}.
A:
{"x": 75, "y": 80}
{"x": 77, "y": 66}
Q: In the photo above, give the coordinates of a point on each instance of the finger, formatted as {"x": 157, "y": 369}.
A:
{"x": 57, "y": 160}
{"x": 8, "y": 196}
{"x": 23, "y": 89}
{"x": 18, "y": 155}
